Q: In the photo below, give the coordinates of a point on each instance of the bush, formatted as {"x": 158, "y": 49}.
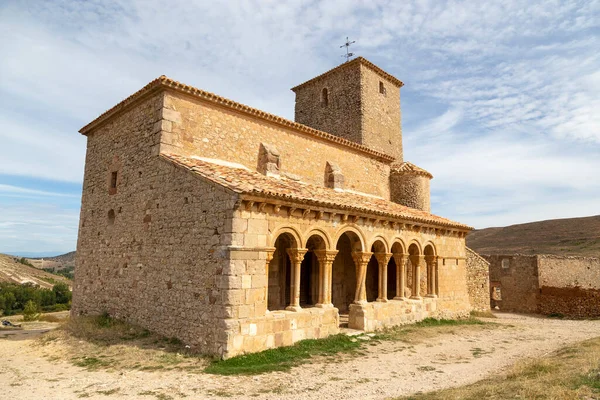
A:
{"x": 14, "y": 297}
{"x": 31, "y": 312}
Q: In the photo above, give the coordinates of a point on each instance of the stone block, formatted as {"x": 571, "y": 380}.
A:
{"x": 171, "y": 115}
{"x": 246, "y": 281}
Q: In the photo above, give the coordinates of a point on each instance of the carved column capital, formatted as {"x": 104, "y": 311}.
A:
{"x": 431, "y": 260}
{"x": 361, "y": 257}
{"x": 383, "y": 258}
{"x": 416, "y": 259}
{"x": 296, "y": 255}
{"x": 326, "y": 256}
{"x": 270, "y": 252}
{"x": 399, "y": 258}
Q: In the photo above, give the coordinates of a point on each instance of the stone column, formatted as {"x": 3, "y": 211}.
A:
{"x": 382, "y": 261}
{"x": 400, "y": 260}
{"x": 431, "y": 272}
{"x": 416, "y": 261}
{"x": 267, "y": 265}
{"x": 361, "y": 259}
{"x": 325, "y": 258}
{"x": 296, "y": 257}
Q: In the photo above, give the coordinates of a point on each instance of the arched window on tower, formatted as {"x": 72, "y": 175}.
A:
{"x": 324, "y": 97}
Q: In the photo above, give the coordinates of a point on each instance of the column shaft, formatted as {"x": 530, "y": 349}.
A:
{"x": 400, "y": 261}
{"x": 382, "y": 261}
{"x": 361, "y": 259}
{"x": 326, "y": 258}
{"x": 296, "y": 257}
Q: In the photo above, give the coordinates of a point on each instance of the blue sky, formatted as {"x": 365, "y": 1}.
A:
{"x": 501, "y": 99}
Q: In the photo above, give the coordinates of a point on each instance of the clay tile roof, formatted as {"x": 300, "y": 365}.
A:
{"x": 244, "y": 181}
{"x": 410, "y": 168}
{"x": 163, "y": 82}
{"x": 358, "y": 60}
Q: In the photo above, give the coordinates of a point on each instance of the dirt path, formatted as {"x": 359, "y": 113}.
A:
{"x": 389, "y": 369}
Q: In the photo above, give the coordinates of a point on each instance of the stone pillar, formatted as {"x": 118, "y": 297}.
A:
{"x": 296, "y": 257}
{"x": 416, "y": 261}
{"x": 400, "y": 260}
{"x": 431, "y": 272}
{"x": 325, "y": 258}
{"x": 267, "y": 265}
{"x": 382, "y": 261}
{"x": 361, "y": 259}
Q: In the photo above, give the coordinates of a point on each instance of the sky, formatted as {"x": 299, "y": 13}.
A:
{"x": 501, "y": 101}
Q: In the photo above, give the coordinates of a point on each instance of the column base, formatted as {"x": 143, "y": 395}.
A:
{"x": 431, "y": 296}
{"x": 294, "y": 308}
{"x": 382, "y": 300}
{"x": 360, "y": 302}
{"x": 416, "y": 298}
{"x": 324, "y": 305}
{"x": 400, "y": 298}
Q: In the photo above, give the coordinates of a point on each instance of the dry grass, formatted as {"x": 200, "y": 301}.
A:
{"x": 569, "y": 373}
{"x": 105, "y": 343}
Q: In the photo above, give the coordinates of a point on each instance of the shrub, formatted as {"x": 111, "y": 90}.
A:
{"x": 30, "y": 312}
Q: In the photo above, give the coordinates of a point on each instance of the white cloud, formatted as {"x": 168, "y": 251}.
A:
{"x": 517, "y": 82}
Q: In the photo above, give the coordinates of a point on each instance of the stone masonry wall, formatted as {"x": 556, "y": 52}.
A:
{"x": 251, "y": 327}
{"x": 518, "y": 280}
{"x": 411, "y": 190}
{"x": 341, "y": 116}
{"x": 569, "y": 286}
{"x": 478, "y": 281}
{"x": 356, "y": 109}
{"x": 151, "y": 250}
{"x": 381, "y": 114}
{"x": 199, "y": 128}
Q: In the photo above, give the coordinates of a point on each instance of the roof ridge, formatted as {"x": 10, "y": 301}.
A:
{"x": 166, "y": 82}
{"x": 360, "y": 60}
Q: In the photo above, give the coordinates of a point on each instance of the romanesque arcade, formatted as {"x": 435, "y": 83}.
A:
{"x": 319, "y": 270}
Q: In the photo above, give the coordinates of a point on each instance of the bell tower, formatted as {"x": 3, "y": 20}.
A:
{"x": 357, "y": 101}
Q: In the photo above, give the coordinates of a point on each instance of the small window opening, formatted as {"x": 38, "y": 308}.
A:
{"x": 113, "y": 180}
{"x": 381, "y": 88}
{"x": 505, "y": 263}
{"x": 324, "y": 97}
{"x": 111, "y": 217}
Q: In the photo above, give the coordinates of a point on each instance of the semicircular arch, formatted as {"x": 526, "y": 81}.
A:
{"x": 353, "y": 229}
{"x": 286, "y": 229}
{"x": 398, "y": 242}
{"x": 318, "y": 232}
{"x": 382, "y": 240}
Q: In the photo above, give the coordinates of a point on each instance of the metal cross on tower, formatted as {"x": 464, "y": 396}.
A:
{"x": 347, "y": 46}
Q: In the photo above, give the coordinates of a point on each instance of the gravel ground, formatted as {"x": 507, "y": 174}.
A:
{"x": 389, "y": 369}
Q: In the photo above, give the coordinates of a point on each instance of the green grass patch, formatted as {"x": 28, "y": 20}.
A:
{"x": 283, "y": 358}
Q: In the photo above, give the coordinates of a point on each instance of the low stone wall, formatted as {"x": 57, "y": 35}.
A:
{"x": 569, "y": 286}
{"x": 571, "y": 302}
{"x": 280, "y": 328}
{"x": 548, "y": 284}
{"x": 478, "y": 281}
{"x": 377, "y": 315}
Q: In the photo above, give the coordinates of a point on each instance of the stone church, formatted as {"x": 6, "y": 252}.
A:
{"x": 236, "y": 230}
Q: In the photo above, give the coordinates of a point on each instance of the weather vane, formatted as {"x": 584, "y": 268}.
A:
{"x": 347, "y": 46}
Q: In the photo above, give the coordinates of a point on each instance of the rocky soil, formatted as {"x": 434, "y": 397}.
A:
{"x": 30, "y": 370}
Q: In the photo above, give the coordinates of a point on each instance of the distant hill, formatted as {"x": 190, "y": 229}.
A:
{"x": 569, "y": 237}
{"x": 58, "y": 262}
{"x": 13, "y": 271}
